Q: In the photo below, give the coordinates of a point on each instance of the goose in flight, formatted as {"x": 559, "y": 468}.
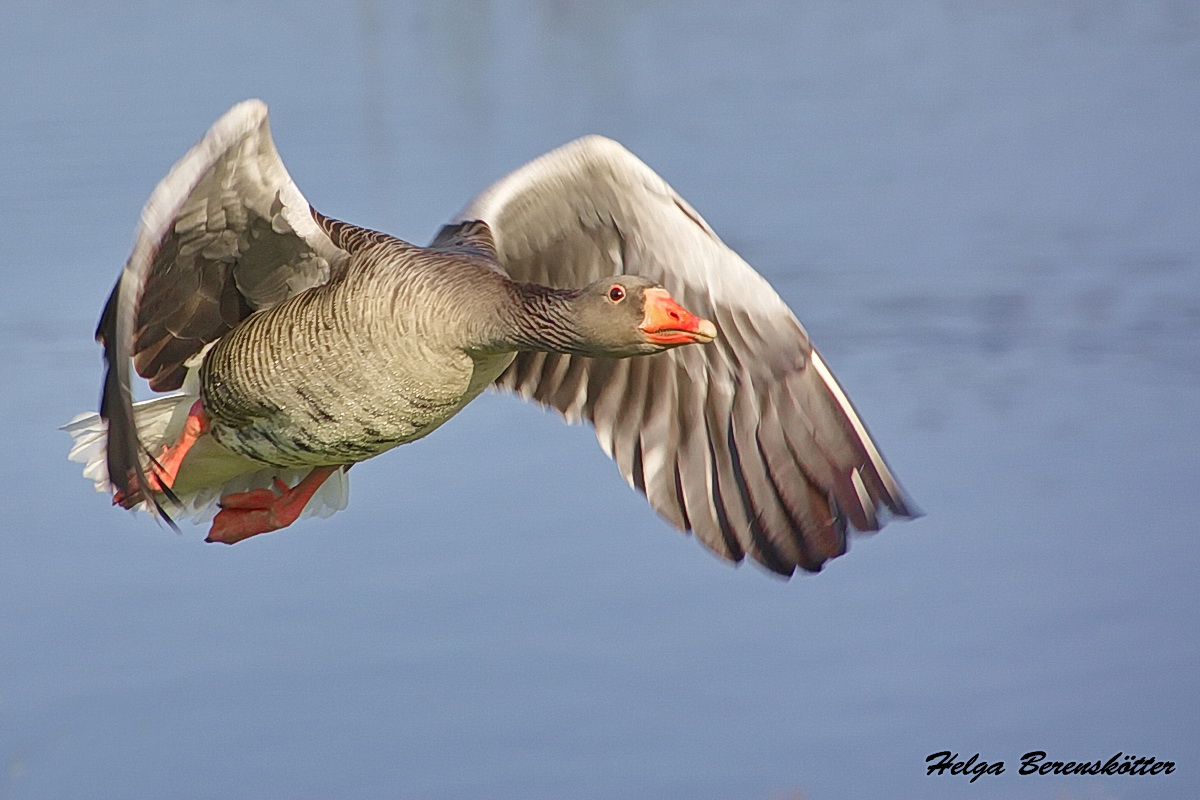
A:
{"x": 292, "y": 345}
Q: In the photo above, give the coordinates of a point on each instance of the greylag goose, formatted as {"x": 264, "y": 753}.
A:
{"x": 294, "y": 345}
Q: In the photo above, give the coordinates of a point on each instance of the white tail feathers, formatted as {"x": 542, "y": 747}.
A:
{"x": 208, "y": 473}
{"x": 90, "y": 435}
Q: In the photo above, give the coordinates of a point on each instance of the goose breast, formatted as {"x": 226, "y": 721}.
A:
{"x": 350, "y": 369}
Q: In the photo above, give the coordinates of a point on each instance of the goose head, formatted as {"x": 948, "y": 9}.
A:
{"x": 627, "y": 315}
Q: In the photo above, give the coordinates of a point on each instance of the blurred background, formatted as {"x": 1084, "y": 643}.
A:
{"x": 985, "y": 213}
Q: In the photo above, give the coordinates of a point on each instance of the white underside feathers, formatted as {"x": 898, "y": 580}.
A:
{"x": 208, "y": 473}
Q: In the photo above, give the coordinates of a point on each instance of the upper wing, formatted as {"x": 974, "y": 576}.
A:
{"x": 749, "y": 441}
{"x": 225, "y": 233}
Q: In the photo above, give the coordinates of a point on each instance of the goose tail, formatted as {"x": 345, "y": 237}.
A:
{"x": 208, "y": 473}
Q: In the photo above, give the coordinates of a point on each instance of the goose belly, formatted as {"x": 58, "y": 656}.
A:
{"x": 304, "y": 403}
{"x": 323, "y": 427}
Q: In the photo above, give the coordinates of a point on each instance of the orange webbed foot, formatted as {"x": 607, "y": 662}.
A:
{"x": 161, "y": 474}
{"x": 247, "y": 514}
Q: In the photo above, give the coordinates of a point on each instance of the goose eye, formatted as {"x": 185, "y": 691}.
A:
{"x": 616, "y": 294}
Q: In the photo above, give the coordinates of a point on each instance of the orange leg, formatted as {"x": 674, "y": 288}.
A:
{"x": 163, "y": 471}
{"x": 247, "y": 514}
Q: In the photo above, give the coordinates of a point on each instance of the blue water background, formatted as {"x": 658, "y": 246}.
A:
{"x": 987, "y": 215}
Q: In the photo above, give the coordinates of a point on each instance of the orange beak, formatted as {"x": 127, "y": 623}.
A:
{"x": 668, "y": 323}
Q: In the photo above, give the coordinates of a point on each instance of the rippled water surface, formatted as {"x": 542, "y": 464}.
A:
{"x": 986, "y": 214}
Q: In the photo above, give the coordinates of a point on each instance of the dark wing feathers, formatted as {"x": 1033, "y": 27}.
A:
{"x": 748, "y": 442}
{"x": 224, "y": 234}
